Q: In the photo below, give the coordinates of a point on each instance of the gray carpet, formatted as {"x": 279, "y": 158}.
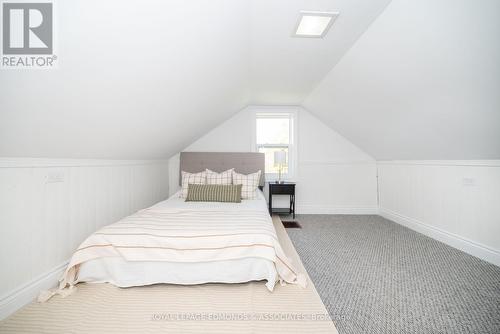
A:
{"x": 376, "y": 276}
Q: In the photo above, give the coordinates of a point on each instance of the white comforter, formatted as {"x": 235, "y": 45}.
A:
{"x": 126, "y": 271}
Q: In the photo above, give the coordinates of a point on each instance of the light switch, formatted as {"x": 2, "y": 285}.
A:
{"x": 468, "y": 182}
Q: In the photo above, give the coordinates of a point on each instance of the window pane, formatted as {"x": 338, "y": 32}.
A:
{"x": 269, "y": 153}
{"x": 273, "y": 130}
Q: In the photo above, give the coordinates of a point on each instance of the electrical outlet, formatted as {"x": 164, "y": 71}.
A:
{"x": 468, "y": 182}
{"x": 55, "y": 176}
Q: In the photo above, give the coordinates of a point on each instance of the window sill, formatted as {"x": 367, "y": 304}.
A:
{"x": 274, "y": 179}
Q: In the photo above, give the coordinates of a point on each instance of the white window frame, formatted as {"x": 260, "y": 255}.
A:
{"x": 292, "y": 113}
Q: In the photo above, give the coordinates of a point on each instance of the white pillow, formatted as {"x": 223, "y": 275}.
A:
{"x": 249, "y": 183}
{"x": 192, "y": 178}
{"x": 225, "y": 177}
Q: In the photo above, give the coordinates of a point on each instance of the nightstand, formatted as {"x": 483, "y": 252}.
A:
{"x": 287, "y": 188}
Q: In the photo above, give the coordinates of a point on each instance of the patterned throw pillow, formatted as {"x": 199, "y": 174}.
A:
{"x": 192, "y": 178}
{"x": 249, "y": 183}
{"x": 214, "y": 193}
{"x": 225, "y": 177}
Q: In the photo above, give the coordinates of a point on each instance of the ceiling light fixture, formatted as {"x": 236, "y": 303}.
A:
{"x": 314, "y": 24}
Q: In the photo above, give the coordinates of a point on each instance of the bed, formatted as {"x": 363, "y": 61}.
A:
{"x": 122, "y": 273}
{"x": 184, "y": 306}
{"x": 168, "y": 308}
{"x": 179, "y": 242}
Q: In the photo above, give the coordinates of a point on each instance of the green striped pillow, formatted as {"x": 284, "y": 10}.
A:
{"x": 214, "y": 193}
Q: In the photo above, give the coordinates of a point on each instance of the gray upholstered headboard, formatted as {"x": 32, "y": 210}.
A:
{"x": 242, "y": 162}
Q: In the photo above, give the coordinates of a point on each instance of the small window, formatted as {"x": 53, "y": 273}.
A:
{"x": 274, "y": 132}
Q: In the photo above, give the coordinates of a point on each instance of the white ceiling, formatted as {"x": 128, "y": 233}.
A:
{"x": 284, "y": 69}
{"x": 143, "y": 79}
{"x": 422, "y": 83}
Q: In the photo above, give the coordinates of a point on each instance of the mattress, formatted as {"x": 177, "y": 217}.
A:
{"x": 126, "y": 273}
{"x": 122, "y": 273}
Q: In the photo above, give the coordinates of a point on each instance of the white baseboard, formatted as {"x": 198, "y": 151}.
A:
{"x": 468, "y": 246}
{"x": 29, "y": 291}
{"x": 336, "y": 210}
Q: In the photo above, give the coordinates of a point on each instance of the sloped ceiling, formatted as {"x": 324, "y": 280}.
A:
{"x": 284, "y": 70}
{"x": 423, "y": 82}
{"x": 143, "y": 79}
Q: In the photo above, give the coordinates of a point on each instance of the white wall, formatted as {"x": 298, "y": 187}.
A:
{"x": 48, "y": 207}
{"x": 457, "y": 202}
{"x": 333, "y": 175}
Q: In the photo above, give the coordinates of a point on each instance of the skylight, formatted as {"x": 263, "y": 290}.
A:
{"x": 314, "y": 24}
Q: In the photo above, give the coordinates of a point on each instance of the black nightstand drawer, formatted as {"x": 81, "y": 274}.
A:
{"x": 285, "y": 189}
{"x": 282, "y": 189}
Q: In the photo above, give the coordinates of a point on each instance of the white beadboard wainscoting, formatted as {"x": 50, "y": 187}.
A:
{"x": 49, "y": 206}
{"x": 456, "y": 202}
{"x": 337, "y": 187}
